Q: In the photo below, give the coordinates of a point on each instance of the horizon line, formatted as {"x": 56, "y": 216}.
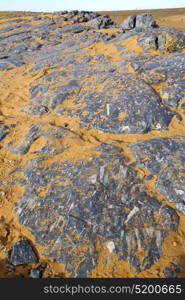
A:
{"x": 167, "y": 8}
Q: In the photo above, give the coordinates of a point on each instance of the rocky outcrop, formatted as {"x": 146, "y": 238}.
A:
{"x": 92, "y": 143}
{"x": 22, "y": 253}
{"x": 141, "y": 21}
{"x": 95, "y": 20}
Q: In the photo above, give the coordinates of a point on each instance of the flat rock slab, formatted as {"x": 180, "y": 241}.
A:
{"x": 73, "y": 28}
{"x": 106, "y": 98}
{"x": 172, "y": 65}
{"x": 165, "y": 159}
{"x": 85, "y": 201}
{"x": 82, "y": 72}
{"x": 133, "y": 98}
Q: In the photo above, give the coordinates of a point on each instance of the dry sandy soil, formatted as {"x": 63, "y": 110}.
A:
{"x": 164, "y": 17}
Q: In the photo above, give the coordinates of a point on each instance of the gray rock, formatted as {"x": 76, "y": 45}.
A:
{"x": 172, "y": 271}
{"x": 72, "y": 28}
{"x": 37, "y": 18}
{"x": 35, "y": 110}
{"x": 171, "y": 40}
{"x": 47, "y": 59}
{"x": 61, "y": 12}
{"x": 35, "y": 46}
{"x": 58, "y": 99}
{"x": 129, "y": 23}
{"x": 183, "y": 107}
{"x": 103, "y": 197}
{"x": 15, "y": 33}
{"x": 174, "y": 93}
{"x": 167, "y": 40}
{"x": 21, "y": 48}
{"x": 44, "y": 25}
{"x": 93, "y": 199}
{"x": 18, "y": 20}
{"x": 103, "y": 108}
{"x": 145, "y": 21}
{"x": 165, "y": 159}
{"x": 101, "y": 22}
{"x": 16, "y": 61}
{"x": 171, "y": 67}
{"x": 148, "y": 41}
{"x": 22, "y": 253}
{"x": 73, "y": 12}
{"x": 9, "y": 28}
{"x": 34, "y": 273}
{"x": 37, "y": 90}
{"x": 5, "y": 67}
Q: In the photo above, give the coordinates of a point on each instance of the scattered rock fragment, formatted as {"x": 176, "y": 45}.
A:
{"x": 172, "y": 271}
{"x": 73, "y": 28}
{"x": 101, "y": 22}
{"x": 34, "y": 273}
{"x": 22, "y": 253}
{"x": 143, "y": 21}
{"x": 129, "y": 23}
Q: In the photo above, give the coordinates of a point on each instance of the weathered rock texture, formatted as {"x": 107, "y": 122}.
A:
{"x": 91, "y": 146}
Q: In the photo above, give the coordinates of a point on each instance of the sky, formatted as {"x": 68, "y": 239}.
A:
{"x": 96, "y": 5}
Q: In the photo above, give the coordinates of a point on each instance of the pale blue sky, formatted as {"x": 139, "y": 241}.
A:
{"x": 55, "y": 5}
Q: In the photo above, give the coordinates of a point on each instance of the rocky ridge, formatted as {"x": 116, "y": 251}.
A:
{"x": 91, "y": 147}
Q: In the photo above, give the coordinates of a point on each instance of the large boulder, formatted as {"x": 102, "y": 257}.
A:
{"x": 166, "y": 40}
{"x": 145, "y": 21}
{"x": 22, "y": 253}
{"x": 129, "y": 23}
{"x": 101, "y": 22}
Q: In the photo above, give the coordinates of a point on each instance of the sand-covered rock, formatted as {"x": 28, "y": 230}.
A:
{"x": 91, "y": 146}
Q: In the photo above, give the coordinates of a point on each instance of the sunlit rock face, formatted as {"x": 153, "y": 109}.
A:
{"x": 92, "y": 142}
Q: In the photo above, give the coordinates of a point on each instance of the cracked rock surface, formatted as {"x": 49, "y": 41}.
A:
{"x": 92, "y": 138}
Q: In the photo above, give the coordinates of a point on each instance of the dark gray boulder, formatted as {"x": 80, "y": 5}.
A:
{"x": 22, "y": 253}
{"x": 172, "y": 271}
{"x": 129, "y": 23}
{"x": 171, "y": 40}
{"x": 73, "y": 28}
{"x": 101, "y": 198}
{"x": 148, "y": 41}
{"x": 145, "y": 21}
{"x": 86, "y": 88}
{"x": 34, "y": 273}
{"x": 139, "y": 22}
{"x": 165, "y": 158}
{"x": 61, "y": 12}
{"x": 172, "y": 94}
{"x": 101, "y": 22}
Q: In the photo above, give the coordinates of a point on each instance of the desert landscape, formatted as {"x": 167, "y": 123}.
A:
{"x": 92, "y": 139}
